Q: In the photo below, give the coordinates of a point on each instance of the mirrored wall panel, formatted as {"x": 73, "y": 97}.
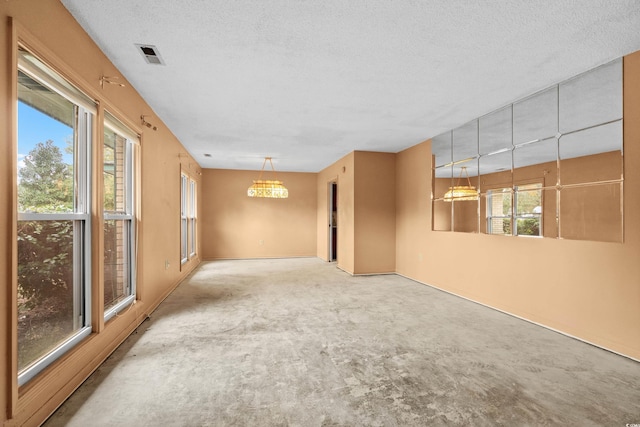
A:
{"x": 495, "y": 131}
{"x": 550, "y": 165}
{"x": 536, "y": 117}
{"x": 592, "y": 212}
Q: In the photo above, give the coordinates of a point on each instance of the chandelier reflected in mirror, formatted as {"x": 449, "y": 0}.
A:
{"x": 273, "y": 189}
{"x": 461, "y": 192}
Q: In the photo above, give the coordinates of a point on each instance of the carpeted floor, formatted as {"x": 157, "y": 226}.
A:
{"x": 297, "y": 342}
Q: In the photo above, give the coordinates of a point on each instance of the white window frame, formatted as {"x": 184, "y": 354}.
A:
{"x": 81, "y": 217}
{"x": 184, "y": 222}
{"x": 192, "y": 219}
{"x": 489, "y": 210}
{"x": 128, "y": 215}
{"x": 517, "y": 215}
{"x": 513, "y": 215}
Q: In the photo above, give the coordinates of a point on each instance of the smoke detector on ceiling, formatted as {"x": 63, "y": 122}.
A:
{"x": 150, "y": 54}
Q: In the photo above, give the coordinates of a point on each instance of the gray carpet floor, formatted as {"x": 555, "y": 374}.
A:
{"x": 297, "y": 342}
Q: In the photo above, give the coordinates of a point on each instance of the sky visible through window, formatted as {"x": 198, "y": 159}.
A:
{"x": 35, "y": 127}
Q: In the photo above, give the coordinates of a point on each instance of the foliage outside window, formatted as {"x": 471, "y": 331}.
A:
{"x": 528, "y": 210}
{"x": 527, "y": 204}
{"x": 54, "y": 139}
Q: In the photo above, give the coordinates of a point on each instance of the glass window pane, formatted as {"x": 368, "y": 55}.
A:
{"x": 192, "y": 218}
{"x": 529, "y": 199}
{"x": 528, "y": 226}
{"x": 592, "y": 98}
{"x": 183, "y": 246}
{"x": 115, "y": 173}
{"x": 53, "y": 142}
{"x": 46, "y": 314}
{"x": 528, "y": 210}
{"x": 499, "y": 202}
{"x": 45, "y": 153}
{"x": 192, "y": 233}
{"x": 184, "y": 195}
{"x": 498, "y": 211}
{"x": 498, "y": 225}
{"x": 536, "y": 117}
{"x": 41, "y": 73}
{"x": 117, "y": 278}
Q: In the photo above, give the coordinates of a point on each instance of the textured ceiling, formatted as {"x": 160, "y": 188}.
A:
{"x": 307, "y": 82}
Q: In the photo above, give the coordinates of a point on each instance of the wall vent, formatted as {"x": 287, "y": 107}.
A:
{"x": 150, "y": 54}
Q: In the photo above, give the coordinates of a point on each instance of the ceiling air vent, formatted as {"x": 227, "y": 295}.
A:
{"x": 150, "y": 54}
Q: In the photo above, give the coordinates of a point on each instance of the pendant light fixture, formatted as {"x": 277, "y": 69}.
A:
{"x": 461, "y": 192}
{"x": 272, "y": 189}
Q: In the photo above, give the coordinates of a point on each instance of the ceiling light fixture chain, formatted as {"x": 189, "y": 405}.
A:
{"x": 461, "y": 192}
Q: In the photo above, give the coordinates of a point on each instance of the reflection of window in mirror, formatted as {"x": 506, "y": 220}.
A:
{"x": 528, "y": 210}
{"x": 526, "y": 200}
{"x": 499, "y": 211}
{"x": 564, "y": 142}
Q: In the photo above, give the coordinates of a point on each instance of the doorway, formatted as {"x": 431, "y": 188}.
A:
{"x": 333, "y": 221}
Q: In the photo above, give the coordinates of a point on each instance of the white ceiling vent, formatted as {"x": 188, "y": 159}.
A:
{"x": 150, "y": 54}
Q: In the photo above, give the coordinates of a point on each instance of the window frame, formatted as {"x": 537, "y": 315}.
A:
{"x": 132, "y": 140}
{"x": 489, "y": 210}
{"x": 85, "y": 113}
{"x": 516, "y": 215}
{"x": 192, "y": 220}
{"x": 513, "y": 216}
{"x": 184, "y": 222}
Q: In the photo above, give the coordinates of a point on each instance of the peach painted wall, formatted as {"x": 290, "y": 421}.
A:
{"x": 374, "y": 213}
{"x": 234, "y": 225}
{"x": 366, "y": 212}
{"x": 341, "y": 172}
{"x": 590, "y": 290}
{"x": 50, "y": 31}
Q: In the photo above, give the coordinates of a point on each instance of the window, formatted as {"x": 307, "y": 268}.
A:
{"x": 528, "y": 210}
{"x": 499, "y": 211}
{"x": 188, "y": 218}
{"x": 527, "y": 204}
{"x": 184, "y": 204}
{"x": 119, "y": 224}
{"x": 192, "y": 218}
{"x": 54, "y": 230}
